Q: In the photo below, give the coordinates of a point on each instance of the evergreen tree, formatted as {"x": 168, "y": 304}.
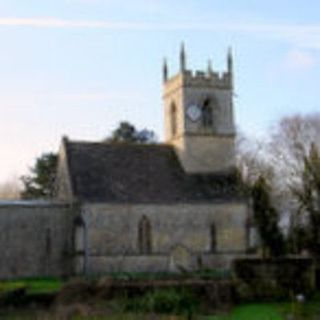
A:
{"x": 266, "y": 219}
{"x": 126, "y": 132}
{"x": 40, "y": 182}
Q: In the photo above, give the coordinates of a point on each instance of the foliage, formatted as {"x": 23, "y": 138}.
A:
{"x": 308, "y": 195}
{"x": 283, "y": 159}
{"x": 252, "y": 162}
{"x": 298, "y": 238}
{"x": 291, "y": 144}
{"x": 126, "y": 132}
{"x": 40, "y": 182}
{"x": 170, "y": 300}
{"x": 274, "y": 311}
{"x": 212, "y": 274}
{"x": 266, "y": 219}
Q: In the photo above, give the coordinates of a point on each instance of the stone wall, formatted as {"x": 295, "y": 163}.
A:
{"x": 203, "y": 154}
{"x": 34, "y": 239}
{"x": 180, "y": 236}
{"x": 200, "y": 149}
{"x": 63, "y": 188}
{"x": 37, "y": 238}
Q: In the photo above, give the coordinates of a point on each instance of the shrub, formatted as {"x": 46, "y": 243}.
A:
{"x": 164, "y": 301}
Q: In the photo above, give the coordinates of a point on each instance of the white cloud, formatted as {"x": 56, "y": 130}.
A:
{"x": 299, "y": 60}
{"x": 307, "y": 36}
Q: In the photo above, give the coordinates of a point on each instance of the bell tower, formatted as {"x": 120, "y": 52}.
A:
{"x": 198, "y": 113}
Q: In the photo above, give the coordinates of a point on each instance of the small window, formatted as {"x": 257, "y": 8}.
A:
{"x": 144, "y": 236}
{"x": 213, "y": 238}
{"x": 207, "y": 115}
{"x": 173, "y": 119}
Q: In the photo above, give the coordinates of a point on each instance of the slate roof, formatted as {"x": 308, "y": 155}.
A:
{"x": 139, "y": 173}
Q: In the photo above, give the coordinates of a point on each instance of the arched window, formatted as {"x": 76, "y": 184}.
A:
{"x": 173, "y": 119}
{"x": 213, "y": 238}
{"x": 144, "y": 236}
{"x": 207, "y": 115}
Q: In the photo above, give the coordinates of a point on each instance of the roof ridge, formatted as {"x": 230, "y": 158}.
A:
{"x": 120, "y": 144}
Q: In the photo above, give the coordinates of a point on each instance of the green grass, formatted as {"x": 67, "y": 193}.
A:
{"x": 252, "y": 312}
{"x": 272, "y": 311}
{"x": 35, "y": 286}
{"x": 34, "y": 316}
{"x": 172, "y": 301}
{"x": 163, "y": 301}
{"x": 133, "y": 317}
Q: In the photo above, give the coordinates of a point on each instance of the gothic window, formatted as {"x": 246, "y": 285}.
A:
{"x": 207, "y": 115}
{"x": 144, "y": 236}
{"x": 213, "y": 238}
{"x": 173, "y": 119}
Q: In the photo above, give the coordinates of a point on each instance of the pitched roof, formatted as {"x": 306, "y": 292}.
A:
{"x": 138, "y": 173}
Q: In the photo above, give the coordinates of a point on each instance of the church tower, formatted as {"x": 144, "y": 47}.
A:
{"x": 198, "y": 117}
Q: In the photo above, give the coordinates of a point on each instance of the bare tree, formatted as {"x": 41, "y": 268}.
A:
{"x": 10, "y": 189}
{"x": 257, "y": 177}
{"x": 252, "y": 160}
{"x": 290, "y": 145}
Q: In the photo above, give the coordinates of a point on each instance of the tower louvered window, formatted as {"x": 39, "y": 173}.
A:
{"x": 207, "y": 114}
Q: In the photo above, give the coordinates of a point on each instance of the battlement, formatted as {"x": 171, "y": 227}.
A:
{"x": 207, "y": 79}
{"x": 202, "y": 79}
{"x": 198, "y": 78}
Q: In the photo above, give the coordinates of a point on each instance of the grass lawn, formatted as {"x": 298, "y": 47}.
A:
{"x": 38, "y": 285}
{"x": 254, "y": 312}
{"x": 250, "y": 311}
{"x": 272, "y": 311}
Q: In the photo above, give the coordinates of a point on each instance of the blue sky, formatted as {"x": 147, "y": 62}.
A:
{"x": 78, "y": 67}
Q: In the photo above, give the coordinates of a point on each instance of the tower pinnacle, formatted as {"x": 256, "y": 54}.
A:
{"x": 209, "y": 67}
{"x": 230, "y": 61}
{"x": 165, "y": 70}
{"x": 230, "y": 66}
{"x": 182, "y": 58}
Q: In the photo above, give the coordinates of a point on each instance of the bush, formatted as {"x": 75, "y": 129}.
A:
{"x": 212, "y": 274}
{"x": 164, "y": 301}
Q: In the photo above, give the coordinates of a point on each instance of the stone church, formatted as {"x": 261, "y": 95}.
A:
{"x": 140, "y": 207}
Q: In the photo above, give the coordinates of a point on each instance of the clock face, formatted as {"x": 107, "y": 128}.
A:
{"x": 194, "y": 112}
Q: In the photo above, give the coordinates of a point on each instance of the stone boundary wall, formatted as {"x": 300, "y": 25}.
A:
{"x": 100, "y": 265}
{"x": 35, "y": 239}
